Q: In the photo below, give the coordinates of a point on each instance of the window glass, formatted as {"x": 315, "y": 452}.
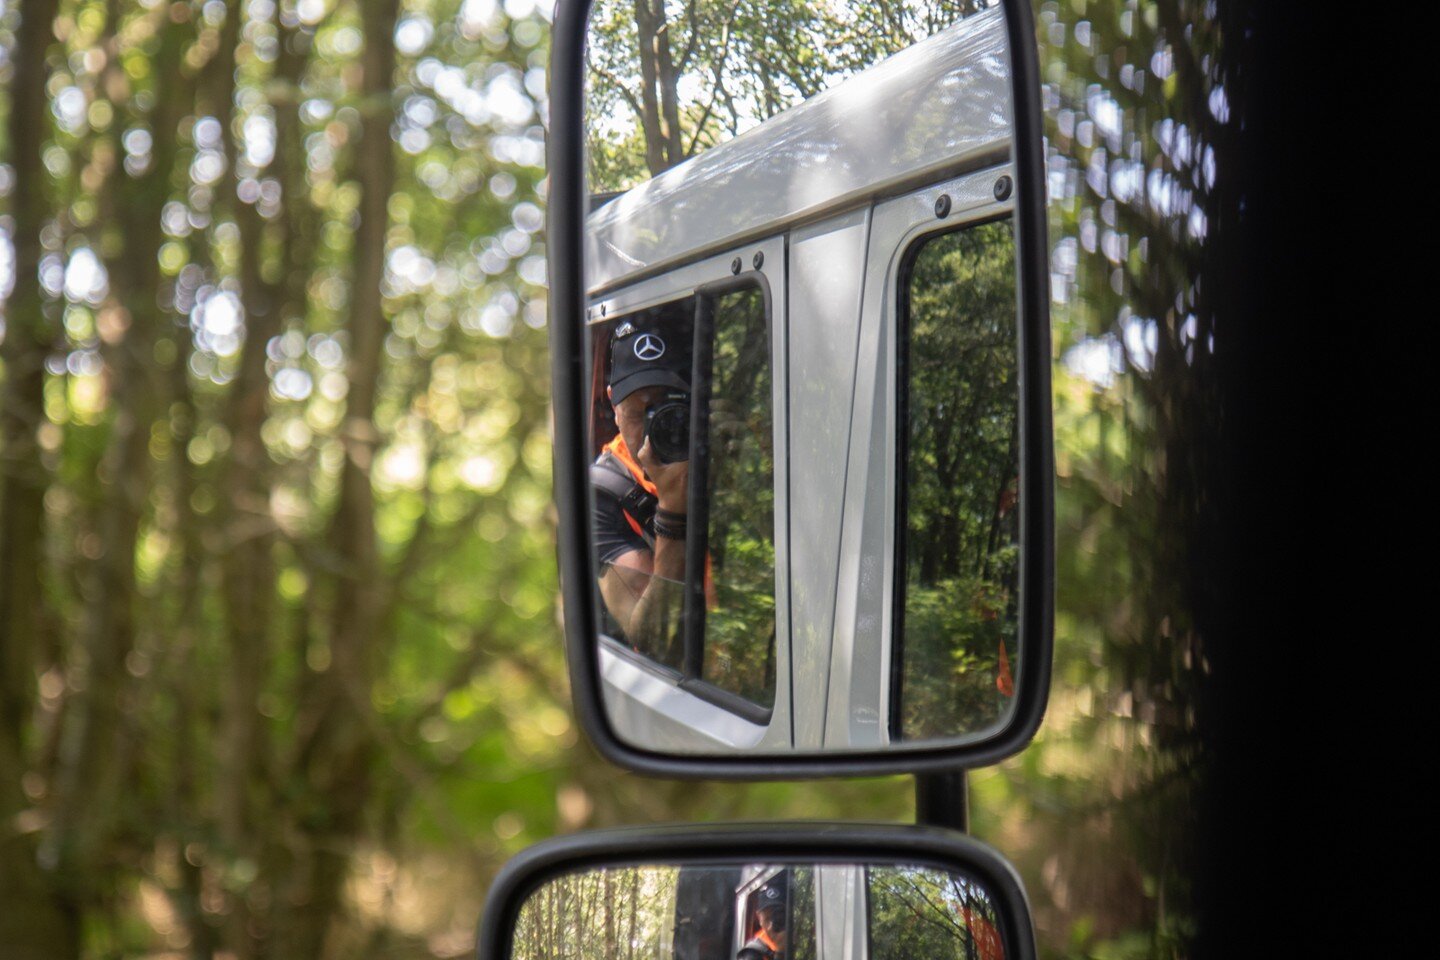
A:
{"x": 959, "y": 448}
{"x": 704, "y": 921}
{"x": 934, "y": 914}
{"x": 740, "y": 619}
{"x": 802, "y": 913}
{"x": 641, "y": 399}
{"x": 778, "y": 915}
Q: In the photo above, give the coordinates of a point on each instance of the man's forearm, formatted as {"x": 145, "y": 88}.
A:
{"x": 655, "y": 619}
{"x": 670, "y": 559}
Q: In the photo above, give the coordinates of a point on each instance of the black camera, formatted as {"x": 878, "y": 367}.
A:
{"x": 667, "y": 427}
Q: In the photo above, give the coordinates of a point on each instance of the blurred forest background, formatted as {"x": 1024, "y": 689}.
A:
{"x": 279, "y": 667}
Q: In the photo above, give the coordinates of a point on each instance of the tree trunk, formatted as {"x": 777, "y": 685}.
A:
{"x": 191, "y": 732}
{"x": 634, "y": 908}
{"x": 336, "y": 762}
{"x": 668, "y": 78}
{"x": 27, "y": 339}
{"x": 99, "y": 750}
{"x": 659, "y": 88}
{"x": 246, "y": 562}
{"x": 35, "y": 922}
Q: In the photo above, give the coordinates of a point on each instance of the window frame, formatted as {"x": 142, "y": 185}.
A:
{"x": 705, "y": 282}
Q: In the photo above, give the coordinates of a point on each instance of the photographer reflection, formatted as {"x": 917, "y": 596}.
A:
{"x": 771, "y": 939}
{"x": 640, "y": 481}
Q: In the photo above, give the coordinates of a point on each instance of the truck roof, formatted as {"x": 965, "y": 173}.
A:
{"x": 934, "y": 110}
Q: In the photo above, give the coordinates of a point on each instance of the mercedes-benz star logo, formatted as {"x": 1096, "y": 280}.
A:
{"x": 649, "y": 347}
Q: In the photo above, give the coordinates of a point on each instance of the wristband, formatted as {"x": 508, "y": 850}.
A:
{"x": 667, "y": 526}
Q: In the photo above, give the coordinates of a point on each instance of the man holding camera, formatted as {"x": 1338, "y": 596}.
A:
{"x": 772, "y": 936}
{"x": 641, "y": 479}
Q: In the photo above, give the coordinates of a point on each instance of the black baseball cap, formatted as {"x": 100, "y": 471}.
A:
{"x": 769, "y": 895}
{"x": 772, "y": 894}
{"x": 647, "y": 351}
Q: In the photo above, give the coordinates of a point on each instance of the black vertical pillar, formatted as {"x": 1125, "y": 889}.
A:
{"x": 942, "y": 800}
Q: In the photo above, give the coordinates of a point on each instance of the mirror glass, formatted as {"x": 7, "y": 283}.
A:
{"x": 760, "y": 911}
{"x": 805, "y": 415}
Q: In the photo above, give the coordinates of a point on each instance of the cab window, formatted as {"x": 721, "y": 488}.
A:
{"x": 958, "y": 455}
{"x": 788, "y": 929}
{"x": 732, "y": 660}
{"x": 740, "y": 622}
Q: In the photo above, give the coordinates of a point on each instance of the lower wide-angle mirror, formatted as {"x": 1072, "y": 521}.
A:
{"x": 802, "y": 400}
{"x": 735, "y": 893}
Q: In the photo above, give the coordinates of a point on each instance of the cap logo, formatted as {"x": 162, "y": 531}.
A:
{"x": 649, "y": 347}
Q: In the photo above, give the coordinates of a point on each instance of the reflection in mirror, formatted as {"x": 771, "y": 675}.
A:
{"x": 713, "y": 626}
{"x": 758, "y": 173}
{"x": 960, "y": 447}
{"x": 759, "y": 911}
{"x": 738, "y": 639}
{"x": 640, "y": 478}
{"x": 668, "y": 81}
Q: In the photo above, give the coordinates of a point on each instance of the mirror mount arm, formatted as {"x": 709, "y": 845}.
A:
{"x": 943, "y": 800}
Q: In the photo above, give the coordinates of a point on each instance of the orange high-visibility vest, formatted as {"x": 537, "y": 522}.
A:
{"x": 617, "y": 449}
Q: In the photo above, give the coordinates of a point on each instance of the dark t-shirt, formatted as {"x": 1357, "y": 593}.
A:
{"x": 614, "y": 535}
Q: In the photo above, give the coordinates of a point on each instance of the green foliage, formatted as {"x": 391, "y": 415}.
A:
{"x": 168, "y": 243}
{"x": 1102, "y": 804}
{"x": 921, "y": 912}
{"x": 207, "y": 168}
{"x": 962, "y": 464}
{"x": 953, "y": 638}
{"x": 207, "y": 585}
{"x": 740, "y": 629}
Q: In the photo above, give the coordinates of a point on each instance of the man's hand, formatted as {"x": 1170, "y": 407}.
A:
{"x": 671, "y": 479}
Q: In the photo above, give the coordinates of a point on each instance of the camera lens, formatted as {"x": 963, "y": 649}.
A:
{"x": 667, "y": 425}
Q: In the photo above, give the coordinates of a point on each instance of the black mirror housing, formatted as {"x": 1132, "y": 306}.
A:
{"x": 1008, "y": 925}
{"x": 1018, "y": 186}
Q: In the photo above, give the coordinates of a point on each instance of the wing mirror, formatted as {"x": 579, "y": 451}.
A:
{"x": 801, "y": 380}
{"x": 760, "y": 892}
